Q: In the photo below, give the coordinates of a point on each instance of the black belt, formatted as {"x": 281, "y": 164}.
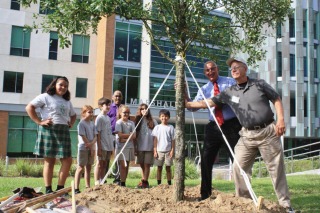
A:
{"x": 258, "y": 127}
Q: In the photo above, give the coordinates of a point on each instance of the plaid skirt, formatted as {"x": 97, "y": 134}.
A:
{"x": 53, "y": 141}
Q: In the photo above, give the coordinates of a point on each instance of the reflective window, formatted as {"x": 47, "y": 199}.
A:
{"x": 20, "y": 41}
{"x": 128, "y": 82}
{"x": 12, "y": 82}
{"x": 47, "y": 7}
{"x": 80, "y": 48}
{"x": 46, "y": 80}
{"x": 128, "y": 42}
{"x": 81, "y": 87}
{"x": 15, "y": 5}
{"x": 53, "y": 45}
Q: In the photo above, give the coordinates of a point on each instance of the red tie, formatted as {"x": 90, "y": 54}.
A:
{"x": 217, "y": 111}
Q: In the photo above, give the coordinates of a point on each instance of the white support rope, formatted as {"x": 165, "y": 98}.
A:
{"x": 121, "y": 151}
{"x": 245, "y": 176}
{"x": 195, "y": 129}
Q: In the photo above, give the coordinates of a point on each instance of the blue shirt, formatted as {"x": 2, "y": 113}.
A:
{"x": 207, "y": 89}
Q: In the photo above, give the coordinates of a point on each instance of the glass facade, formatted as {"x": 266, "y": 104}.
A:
{"x": 128, "y": 82}
{"x": 127, "y": 42}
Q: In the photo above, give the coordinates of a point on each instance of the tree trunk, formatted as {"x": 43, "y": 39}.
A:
{"x": 179, "y": 160}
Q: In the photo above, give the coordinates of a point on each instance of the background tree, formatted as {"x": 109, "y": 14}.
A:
{"x": 190, "y": 25}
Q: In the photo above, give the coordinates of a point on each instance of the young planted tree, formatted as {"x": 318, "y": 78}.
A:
{"x": 190, "y": 25}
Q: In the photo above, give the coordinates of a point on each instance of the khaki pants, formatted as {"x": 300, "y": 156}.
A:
{"x": 265, "y": 141}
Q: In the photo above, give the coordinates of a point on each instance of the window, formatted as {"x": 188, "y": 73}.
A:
{"x": 20, "y": 41}
{"x": 46, "y": 80}
{"x": 305, "y": 67}
{"x": 12, "y": 82}
{"x": 291, "y": 28}
{"x": 279, "y": 63}
{"x": 128, "y": 82}
{"x": 315, "y": 67}
{"x": 47, "y": 8}
{"x": 81, "y": 87}
{"x": 53, "y": 46}
{"x": 127, "y": 42}
{"x": 292, "y": 65}
{"x": 80, "y": 48}
{"x": 15, "y": 5}
{"x": 167, "y": 93}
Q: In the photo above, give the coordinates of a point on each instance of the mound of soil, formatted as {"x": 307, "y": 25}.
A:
{"x": 114, "y": 198}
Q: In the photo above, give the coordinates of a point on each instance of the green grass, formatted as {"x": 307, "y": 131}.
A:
{"x": 304, "y": 189}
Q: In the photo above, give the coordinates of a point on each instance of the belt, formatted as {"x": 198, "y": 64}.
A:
{"x": 258, "y": 127}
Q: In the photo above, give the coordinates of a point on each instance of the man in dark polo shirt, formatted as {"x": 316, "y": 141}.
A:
{"x": 250, "y": 100}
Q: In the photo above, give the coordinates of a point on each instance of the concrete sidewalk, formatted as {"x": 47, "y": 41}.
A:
{"x": 309, "y": 172}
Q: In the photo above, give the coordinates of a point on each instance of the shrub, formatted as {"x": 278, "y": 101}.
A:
{"x": 23, "y": 167}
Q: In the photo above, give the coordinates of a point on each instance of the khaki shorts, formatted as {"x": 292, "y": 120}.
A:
{"x": 128, "y": 154}
{"x": 85, "y": 158}
{"x": 145, "y": 157}
{"x": 105, "y": 155}
{"x": 163, "y": 158}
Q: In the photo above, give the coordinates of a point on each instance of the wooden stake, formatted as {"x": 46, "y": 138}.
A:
{"x": 260, "y": 202}
{"x": 43, "y": 198}
{"x": 73, "y": 198}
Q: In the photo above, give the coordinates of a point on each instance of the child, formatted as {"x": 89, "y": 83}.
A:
{"x": 144, "y": 143}
{"x": 164, "y": 144}
{"x": 86, "y": 146}
{"x": 124, "y": 128}
{"x": 57, "y": 117}
{"x": 104, "y": 140}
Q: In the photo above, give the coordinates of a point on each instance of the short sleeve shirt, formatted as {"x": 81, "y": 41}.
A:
{"x": 86, "y": 129}
{"x": 251, "y": 104}
{"x": 145, "y": 138}
{"x": 165, "y": 136}
{"x": 208, "y": 92}
{"x": 103, "y": 126}
{"x": 55, "y": 107}
{"x": 126, "y": 128}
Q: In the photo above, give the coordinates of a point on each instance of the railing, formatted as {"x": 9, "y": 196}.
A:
{"x": 292, "y": 157}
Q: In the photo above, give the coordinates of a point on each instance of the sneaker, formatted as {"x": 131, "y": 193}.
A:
{"x": 139, "y": 186}
{"x": 289, "y": 210}
{"x": 77, "y": 191}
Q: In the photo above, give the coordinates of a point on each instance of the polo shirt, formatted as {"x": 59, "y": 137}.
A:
{"x": 250, "y": 104}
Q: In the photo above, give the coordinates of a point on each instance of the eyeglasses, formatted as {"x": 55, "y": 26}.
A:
{"x": 211, "y": 69}
{"x": 126, "y": 113}
{"x": 235, "y": 68}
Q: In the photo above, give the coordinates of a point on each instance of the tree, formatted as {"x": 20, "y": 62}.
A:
{"x": 190, "y": 25}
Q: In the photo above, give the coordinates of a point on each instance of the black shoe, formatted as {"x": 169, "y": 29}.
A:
{"x": 77, "y": 191}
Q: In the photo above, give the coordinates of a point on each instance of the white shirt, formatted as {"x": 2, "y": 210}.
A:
{"x": 165, "y": 136}
{"x": 54, "y": 107}
{"x": 103, "y": 125}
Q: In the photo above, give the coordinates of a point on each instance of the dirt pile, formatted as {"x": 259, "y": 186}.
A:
{"x": 113, "y": 198}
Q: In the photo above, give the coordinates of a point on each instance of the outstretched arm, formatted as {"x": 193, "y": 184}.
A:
{"x": 199, "y": 104}
{"x": 280, "y": 125}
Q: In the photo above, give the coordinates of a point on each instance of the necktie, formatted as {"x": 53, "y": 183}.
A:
{"x": 217, "y": 111}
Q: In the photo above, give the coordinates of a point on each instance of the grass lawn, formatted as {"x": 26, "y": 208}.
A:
{"x": 304, "y": 189}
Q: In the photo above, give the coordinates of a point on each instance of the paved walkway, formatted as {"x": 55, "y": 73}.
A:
{"x": 309, "y": 172}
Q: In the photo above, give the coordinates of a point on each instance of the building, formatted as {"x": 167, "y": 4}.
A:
{"x": 116, "y": 58}
{"x": 292, "y": 66}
